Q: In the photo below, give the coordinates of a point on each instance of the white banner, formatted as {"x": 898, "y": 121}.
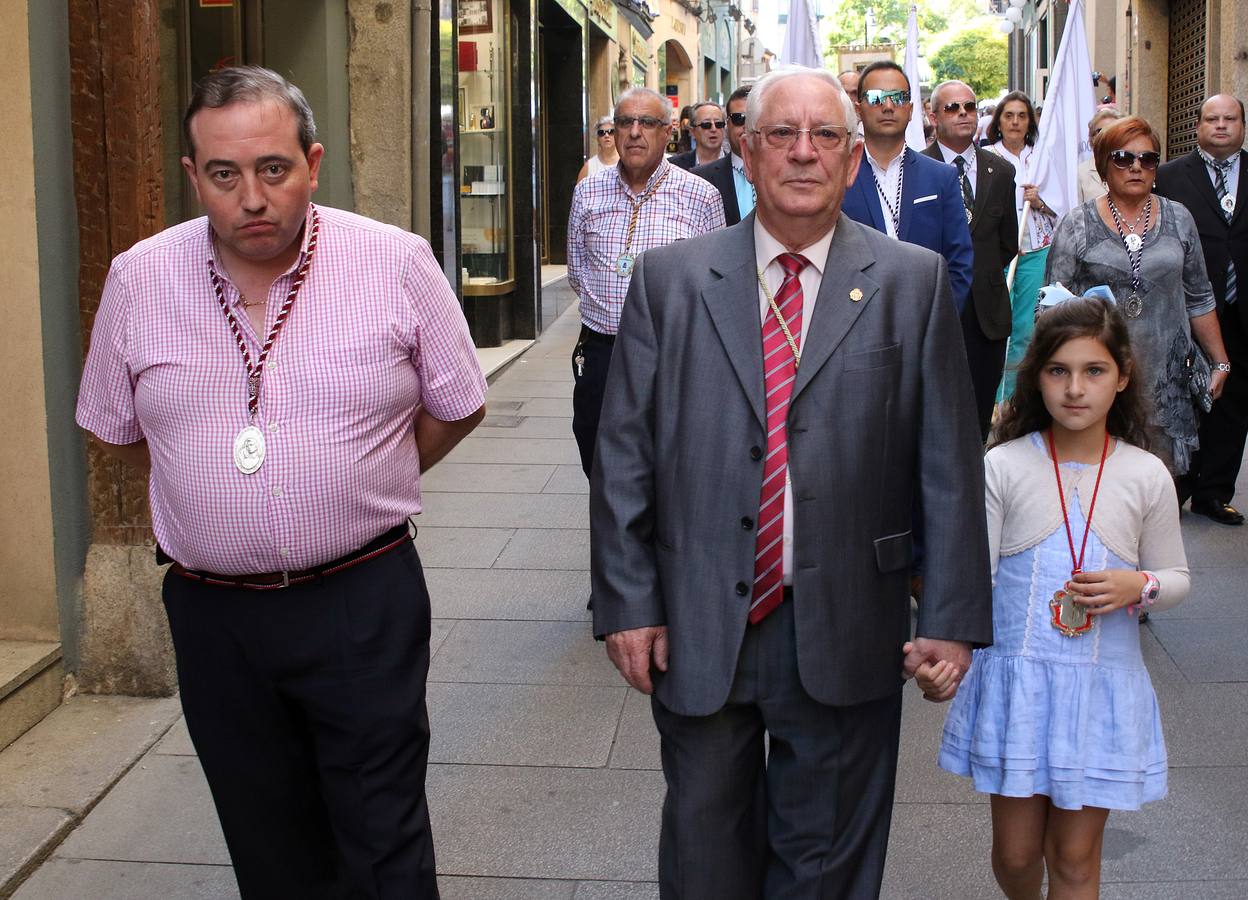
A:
{"x": 801, "y": 47}
{"x": 914, "y": 131}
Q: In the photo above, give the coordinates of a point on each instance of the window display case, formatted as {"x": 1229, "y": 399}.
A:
{"x": 484, "y": 149}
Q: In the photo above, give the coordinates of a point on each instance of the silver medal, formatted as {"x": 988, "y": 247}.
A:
{"x": 1228, "y": 204}
{"x": 1134, "y": 242}
{"x": 1134, "y": 306}
{"x": 624, "y": 265}
{"x": 249, "y": 450}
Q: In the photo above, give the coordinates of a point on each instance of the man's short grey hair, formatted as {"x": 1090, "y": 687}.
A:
{"x": 1109, "y": 112}
{"x": 932, "y": 98}
{"x": 764, "y": 86}
{"x": 249, "y": 84}
{"x": 633, "y": 93}
{"x": 693, "y": 115}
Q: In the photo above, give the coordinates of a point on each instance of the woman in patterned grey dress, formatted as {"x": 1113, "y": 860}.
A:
{"x": 1147, "y": 250}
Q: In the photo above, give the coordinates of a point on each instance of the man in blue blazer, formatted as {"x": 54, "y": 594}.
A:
{"x": 902, "y": 193}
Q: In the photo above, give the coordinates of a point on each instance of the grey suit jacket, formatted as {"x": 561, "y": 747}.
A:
{"x": 882, "y": 411}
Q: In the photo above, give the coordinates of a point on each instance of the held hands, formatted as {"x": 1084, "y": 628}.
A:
{"x": 633, "y": 650}
{"x": 936, "y": 665}
{"x": 1032, "y": 195}
{"x": 1102, "y": 592}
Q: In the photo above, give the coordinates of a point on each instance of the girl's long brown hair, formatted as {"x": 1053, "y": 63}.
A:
{"x": 1082, "y": 317}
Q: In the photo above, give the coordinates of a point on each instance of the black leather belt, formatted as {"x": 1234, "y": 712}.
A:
{"x": 270, "y": 581}
{"x": 589, "y": 336}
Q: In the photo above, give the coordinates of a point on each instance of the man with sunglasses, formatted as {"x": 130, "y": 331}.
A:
{"x": 987, "y": 184}
{"x": 707, "y": 125}
{"x": 780, "y": 393}
{"x": 728, "y": 172}
{"x": 907, "y": 196}
{"x": 1212, "y": 182}
{"x": 642, "y": 202}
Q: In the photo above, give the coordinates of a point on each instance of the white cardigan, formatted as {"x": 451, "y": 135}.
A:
{"x": 1136, "y": 516}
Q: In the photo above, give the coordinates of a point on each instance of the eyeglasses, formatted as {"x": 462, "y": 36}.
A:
{"x": 1125, "y": 159}
{"x": 737, "y": 119}
{"x": 603, "y": 132}
{"x": 822, "y": 137}
{"x": 626, "y": 122}
{"x": 877, "y": 97}
{"x": 712, "y": 123}
{"x": 966, "y": 105}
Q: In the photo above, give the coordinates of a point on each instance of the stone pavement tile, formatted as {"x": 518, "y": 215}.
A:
{"x": 489, "y": 652}
{"x": 440, "y": 630}
{"x": 1217, "y": 593}
{"x": 509, "y": 594}
{"x": 460, "y": 548}
{"x": 534, "y": 450}
{"x": 617, "y": 890}
{"x": 161, "y": 811}
{"x": 25, "y": 832}
{"x": 636, "y": 738}
{"x": 504, "y": 510}
{"x": 919, "y": 779}
{"x": 478, "y": 478}
{"x": 1205, "y": 724}
{"x": 567, "y": 480}
{"x": 548, "y": 407}
{"x": 1211, "y": 544}
{"x": 1161, "y": 668}
{"x": 518, "y": 822}
{"x": 59, "y": 879}
{"x": 1197, "y": 833}
{"x": 72, "y": 756}
{"x": 177, "y": 742}
{"x": 523, "y": 724}
{"x": 521, "y": 427}
{"x": 939, "y": 851}
{"x": 546, "y": 548}
{"x": 454, "y": 887}
{"x": 547, "y": 390}
{"x": 1205, "y": 649}
{"x": 1174, "y": 890}
{"x": 540, "y": 369}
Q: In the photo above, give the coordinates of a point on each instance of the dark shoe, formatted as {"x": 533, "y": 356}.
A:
{"x": 1143, "y": 617}
{"x": 1222, "y": 513}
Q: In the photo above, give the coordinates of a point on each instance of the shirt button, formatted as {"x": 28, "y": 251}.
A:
{"x": 277, "y": 491}
{"x": 747, "y": 523}
{"x": 742, "y": 588}
{"x": 285, "y": 552}
{"x": 272, "y": 426}
{"x": 756, "y": 453}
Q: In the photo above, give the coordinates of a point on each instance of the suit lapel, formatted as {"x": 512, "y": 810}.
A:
{"x": 733, "y": 307}
{"x": 985, "y": 168}
{"x": 909, "y": 190}
{"x": 835, "y": 310}
{"x": 1198, "y": 172}
{"x": 865, "y": 185}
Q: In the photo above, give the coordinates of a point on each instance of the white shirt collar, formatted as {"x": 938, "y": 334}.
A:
{"x": 895, "y": 162}
{"x": 950, "y": 155}
{"x": 767, "y": 248}
{"x": 737, "y": 163}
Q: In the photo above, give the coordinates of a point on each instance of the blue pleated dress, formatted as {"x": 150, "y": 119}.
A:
{"x": 1074, "y": 719}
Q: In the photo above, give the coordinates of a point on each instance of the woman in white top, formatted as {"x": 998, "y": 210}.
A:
{"x": 1012, "y": 135}
{"x": 607, "y": 155}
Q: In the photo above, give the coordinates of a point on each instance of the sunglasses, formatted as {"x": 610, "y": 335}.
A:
{"x": 877, "y": 97}
{"x": 626, "y": 122}
{"x": 1125, "y": 159}
{"x": 603, "y": 132}
{"x": 968, "y": 106}
{"x": 712, "y": 123}
{"x": 737, "y": 119}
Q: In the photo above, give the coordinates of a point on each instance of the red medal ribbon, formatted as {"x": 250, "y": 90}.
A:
{"x": 1077, "y": 562}
{"x": 255, "y": 371}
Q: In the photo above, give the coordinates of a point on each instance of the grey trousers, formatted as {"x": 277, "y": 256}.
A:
{"x": 807, "y": 819}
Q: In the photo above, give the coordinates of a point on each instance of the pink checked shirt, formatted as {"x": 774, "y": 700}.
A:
{"x": 374, "y": 333}
{"x": 684, "y": 206}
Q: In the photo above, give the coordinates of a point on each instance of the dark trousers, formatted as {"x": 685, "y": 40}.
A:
{"x": 810, "y": 820}
{"x": 307, "y": 709}
{"x": 591, "y": 381}
{"x": 986, "y": 358}
{"x": 1215, "y": 466}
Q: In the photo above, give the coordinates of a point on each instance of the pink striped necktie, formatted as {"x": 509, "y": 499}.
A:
{"x": 779, "y": 373}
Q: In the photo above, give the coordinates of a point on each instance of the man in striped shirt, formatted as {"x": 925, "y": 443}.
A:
{"x": 286, "y": 372}
{"x": 617, "y": 214}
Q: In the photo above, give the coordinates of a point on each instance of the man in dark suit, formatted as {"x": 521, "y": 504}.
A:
{"x": 986, "y": 182}
{"x": 728, "y": 172}
{"x": 897, "y": 191}
{"x": 707, "y": 127}
{"x": 780, "y": 392}
{"x": 1212, "y": 182}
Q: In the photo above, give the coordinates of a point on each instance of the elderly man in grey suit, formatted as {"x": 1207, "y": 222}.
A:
{"x": 781, "y": 392}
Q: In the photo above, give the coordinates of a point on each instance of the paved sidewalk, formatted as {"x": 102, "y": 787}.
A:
{"x": 544, "y": 775}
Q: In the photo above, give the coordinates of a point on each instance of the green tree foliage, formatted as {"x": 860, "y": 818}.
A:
{"x": 849, "y": 21}
{"x": 979, "y": 56}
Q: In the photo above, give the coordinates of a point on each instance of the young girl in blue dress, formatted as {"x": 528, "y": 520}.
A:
{"x": 1057, "y": 720}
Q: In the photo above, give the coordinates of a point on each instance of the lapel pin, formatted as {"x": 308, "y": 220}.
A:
{"x": 855, "y": 295}
{"x": 990, "y": 170}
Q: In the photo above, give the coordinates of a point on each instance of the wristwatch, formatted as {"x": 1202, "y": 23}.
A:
{"x": 1222, "y": 366}
{"x": 1152, "y": 587}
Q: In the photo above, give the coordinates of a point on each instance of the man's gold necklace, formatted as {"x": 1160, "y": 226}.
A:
{"x": 784, "y": 326}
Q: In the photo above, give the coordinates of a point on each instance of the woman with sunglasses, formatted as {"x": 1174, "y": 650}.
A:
{"x": 607, "y": 155}
{"x": 1146, "y": 249}
{"x": 1012, "y": 135}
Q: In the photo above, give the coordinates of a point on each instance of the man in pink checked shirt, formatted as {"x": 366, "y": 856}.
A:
{"x": 287, "y": 371}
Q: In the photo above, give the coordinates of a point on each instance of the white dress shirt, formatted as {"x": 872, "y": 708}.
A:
{"x": 968, "y": 154}
{"x": 766, "y": 249}
{"x": 888, "y": 178}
